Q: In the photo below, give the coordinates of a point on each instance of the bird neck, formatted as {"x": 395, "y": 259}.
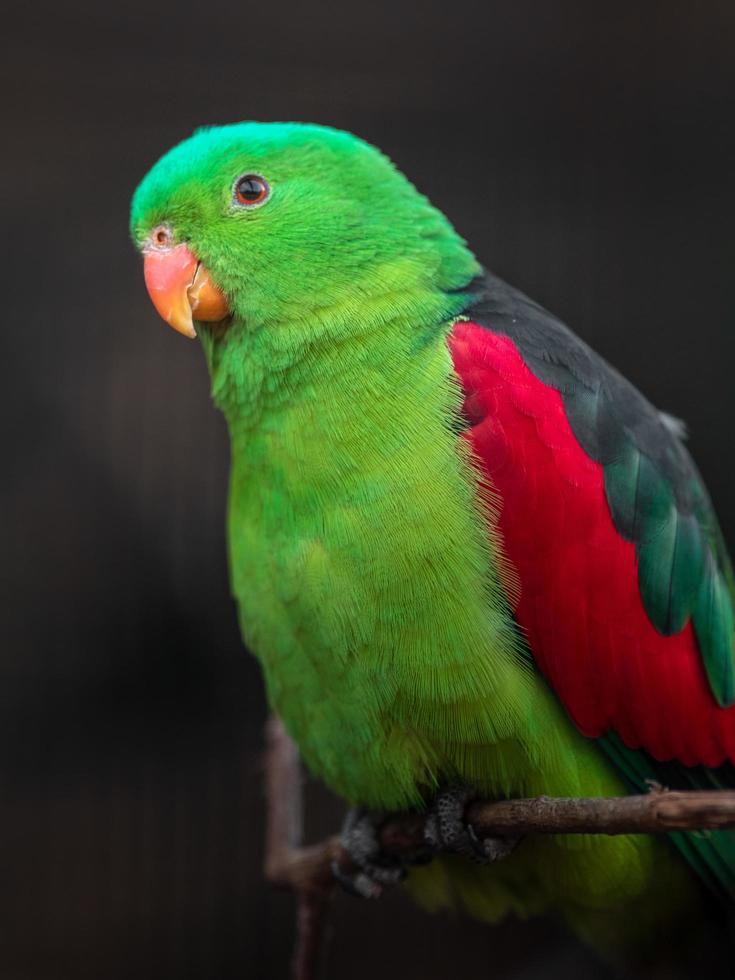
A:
{"x": 380, "y": 329}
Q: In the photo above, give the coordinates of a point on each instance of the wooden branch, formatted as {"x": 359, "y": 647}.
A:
{"x": 308, "y": 870}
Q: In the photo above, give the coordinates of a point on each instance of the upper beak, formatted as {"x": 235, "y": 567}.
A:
{"x": 182, "y": 289}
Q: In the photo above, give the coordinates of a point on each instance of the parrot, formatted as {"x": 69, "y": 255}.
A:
{"x": 464, "y": 549}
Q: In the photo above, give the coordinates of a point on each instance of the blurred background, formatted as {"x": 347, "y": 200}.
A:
{"x": 586, "y": 151}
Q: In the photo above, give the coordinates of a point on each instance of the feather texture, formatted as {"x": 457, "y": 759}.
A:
{"x": 654, "y": 492}
{"x": 613, "y": 608}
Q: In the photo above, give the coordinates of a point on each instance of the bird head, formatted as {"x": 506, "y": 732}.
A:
{"x": 292, "y": 230}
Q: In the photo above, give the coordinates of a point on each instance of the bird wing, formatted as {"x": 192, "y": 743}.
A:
{"x": 626, "y": 589}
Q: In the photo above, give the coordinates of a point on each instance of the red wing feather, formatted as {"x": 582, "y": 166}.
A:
{"x": 580, "y": 604}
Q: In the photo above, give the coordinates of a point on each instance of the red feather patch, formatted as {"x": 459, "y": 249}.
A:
{"x": 580, "y": 605}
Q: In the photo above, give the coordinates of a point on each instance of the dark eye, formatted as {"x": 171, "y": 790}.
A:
{"x": 251, "y": 190}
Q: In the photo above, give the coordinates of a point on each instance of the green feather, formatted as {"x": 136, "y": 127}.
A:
{"x": 711, "y": 852}
{"x": 683, "y": 569}
{"x": 713, "y": 621}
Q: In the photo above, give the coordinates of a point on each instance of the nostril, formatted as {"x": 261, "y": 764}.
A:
{"x": 161, "y": 236}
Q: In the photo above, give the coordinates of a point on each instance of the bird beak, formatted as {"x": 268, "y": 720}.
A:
{"x": 182, "y": 289}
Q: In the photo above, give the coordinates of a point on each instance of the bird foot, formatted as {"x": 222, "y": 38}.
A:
{"x": 446, "y": 829}
{"x": 376, "y": 870}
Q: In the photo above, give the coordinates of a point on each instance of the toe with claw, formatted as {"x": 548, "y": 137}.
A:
{"x": 446, "y": 829}
{"x": 359, "y": 838}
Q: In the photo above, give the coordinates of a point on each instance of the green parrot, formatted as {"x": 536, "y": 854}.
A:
{"x": 464, "y": 549}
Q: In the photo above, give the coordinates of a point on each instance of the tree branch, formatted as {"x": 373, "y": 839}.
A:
{"x": 308, "y": 870}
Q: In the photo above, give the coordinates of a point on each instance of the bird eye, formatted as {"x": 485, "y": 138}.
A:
{"x": 251, "y": 190}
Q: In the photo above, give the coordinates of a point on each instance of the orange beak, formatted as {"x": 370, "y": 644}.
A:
{"x": 181, "y": 288}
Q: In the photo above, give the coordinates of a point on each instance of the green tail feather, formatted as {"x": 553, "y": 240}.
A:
{"x": 710, "y": 852}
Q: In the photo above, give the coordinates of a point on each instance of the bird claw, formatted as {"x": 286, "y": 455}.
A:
{"x": 446, "y": 829}
{"x": 377, "y": 870}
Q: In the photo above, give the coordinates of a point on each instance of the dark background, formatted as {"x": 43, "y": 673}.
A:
{"x": 587, "y": 153}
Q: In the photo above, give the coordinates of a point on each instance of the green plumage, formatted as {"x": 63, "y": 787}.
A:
{"x": 711, "y": 852}
{"x": 678, "y": 569}
{"x": 658, "y": 501}
{"x": 367, "y": 582}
